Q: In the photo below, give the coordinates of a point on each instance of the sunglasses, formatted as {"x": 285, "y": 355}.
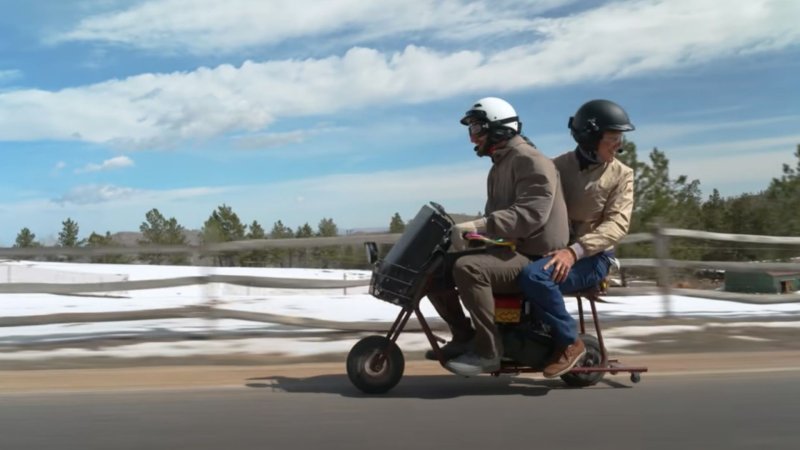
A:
{"x": 613, "y": 139}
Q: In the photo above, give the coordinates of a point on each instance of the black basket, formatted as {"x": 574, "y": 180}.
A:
{"x": 399, "y": 277}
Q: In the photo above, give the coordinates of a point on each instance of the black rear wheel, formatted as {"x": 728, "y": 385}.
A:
{"x": 375, "y": 365}
{"x": 592, "y": 358}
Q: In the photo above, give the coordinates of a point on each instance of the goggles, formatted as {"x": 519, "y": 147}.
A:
{"x": 477, "y": 127}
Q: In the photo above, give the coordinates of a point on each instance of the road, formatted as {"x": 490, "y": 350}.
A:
{"x": 273, "y": 409}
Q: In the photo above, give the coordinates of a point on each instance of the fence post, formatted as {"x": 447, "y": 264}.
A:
{"x": 344, "y": 277}
{"x": 661, "y": 243}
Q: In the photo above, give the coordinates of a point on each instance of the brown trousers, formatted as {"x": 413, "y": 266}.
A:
{"x": 476, "y": 278}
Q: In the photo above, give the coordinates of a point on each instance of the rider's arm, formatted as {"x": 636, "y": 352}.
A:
{"x": 616, "y": 219}
{"x": 535, "y": 181}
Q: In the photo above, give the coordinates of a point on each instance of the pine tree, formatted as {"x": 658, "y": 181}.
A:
{"x": 396, "y": 225}
{"x": 327, "y": 228}
{"x": 256, "y": 258}
{"x": 157, "y": 230}
{"x": 783, "y": 195}
{"x": 26, "y": 239}
{"x": 327, "y": 255}
{"x": 277, "y": 256}
{"x": 68, "y": 236}
{"x": 304, "y": 231}
{"x": 223, "y": 226}
{"x": 96, "y": 240}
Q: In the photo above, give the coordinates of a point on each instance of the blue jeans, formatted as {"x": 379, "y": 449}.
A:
{"x": 546, "y": 296}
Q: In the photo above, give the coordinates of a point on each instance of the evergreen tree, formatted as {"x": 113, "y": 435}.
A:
{"x": 783, "y": 194}
{"x": 279, "y": 256}
{"x": 280, "y": 231}
{"x": 396, "y": 225}
{"x": 96, "y": 240}
{"x": 327, "y": 228}
{"x": 223, "y": 226}
{"x": 26, "y": 239}
{"x": 256, "y": 258}
{"x": 303, "y": 255}
{"x": 713, "y": 213}
{"x": 158, "y": 230}
{"x": 327, "y": 255}
{"x": 68, "y": 236}
{"x": 629, "y": 157}
{"x": 304, "y": 231}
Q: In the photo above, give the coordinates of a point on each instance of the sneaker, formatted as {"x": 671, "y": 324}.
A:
{"x": 565, "y": 359}
{"x": 471, "y": 364}
{"x": 450, "y": 350}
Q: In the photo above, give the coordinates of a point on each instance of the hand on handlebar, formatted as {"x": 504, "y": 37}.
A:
{"x": 458, "y": 239}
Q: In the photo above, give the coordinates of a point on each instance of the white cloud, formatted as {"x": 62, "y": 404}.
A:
{"x": 117, "y": 162}
{"x": 125, "y": 197}
{"x": 619, "y": 39}
{"x": 59, "y": 166}
{"x": 90, "y": 194}
{"x": 268, "y": 140}
{"x": 786, "y": 143}
{"x": 9, "y": 75}
{"x": 214, "y": 26}
{"x": 661, "y": 132}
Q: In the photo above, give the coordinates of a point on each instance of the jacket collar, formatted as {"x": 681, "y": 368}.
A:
{"x": 500, "y": 152}
{"x": 584, "y": 163}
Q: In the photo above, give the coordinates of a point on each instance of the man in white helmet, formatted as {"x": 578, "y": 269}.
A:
{"x": 524, "y": 206}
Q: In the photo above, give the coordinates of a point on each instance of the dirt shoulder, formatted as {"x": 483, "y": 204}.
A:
{"x": 233, "y": 376}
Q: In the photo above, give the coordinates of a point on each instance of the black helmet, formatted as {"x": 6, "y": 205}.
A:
{"x": 592, "y": 119}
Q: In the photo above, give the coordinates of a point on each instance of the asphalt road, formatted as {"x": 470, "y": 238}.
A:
{"x": 712, "y": 411}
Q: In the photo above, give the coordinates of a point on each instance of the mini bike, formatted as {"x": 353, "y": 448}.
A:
{"x": 375, "y": 364}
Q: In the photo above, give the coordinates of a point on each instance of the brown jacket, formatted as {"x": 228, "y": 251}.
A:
{"x": 524, "y": 202}
{"x": 599, "y": 201}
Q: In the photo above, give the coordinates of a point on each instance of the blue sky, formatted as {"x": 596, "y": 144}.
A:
{"x": 349, "y": 109}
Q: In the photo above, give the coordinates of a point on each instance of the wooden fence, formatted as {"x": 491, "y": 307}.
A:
{"x": 661, "y": 263}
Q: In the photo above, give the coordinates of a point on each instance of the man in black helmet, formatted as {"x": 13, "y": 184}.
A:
{"x": 598, "y": 190}
{"x": 524, "y": 206}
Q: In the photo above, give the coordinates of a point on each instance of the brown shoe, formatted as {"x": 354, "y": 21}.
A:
{"x": 565, "y": 359}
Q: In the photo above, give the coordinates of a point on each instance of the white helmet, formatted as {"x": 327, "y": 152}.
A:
{"x": 496, "y": 112}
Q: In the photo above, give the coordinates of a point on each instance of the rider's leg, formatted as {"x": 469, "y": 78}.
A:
{"x": 548, "y": 302}
{"x": 477, "y": 278}
{"x": 586, "y": 273}
{"x": 448, "y": 306}
{"x": 544, "y": 295}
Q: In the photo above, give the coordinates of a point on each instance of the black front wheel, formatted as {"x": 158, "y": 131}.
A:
{"x": 592, "y": 358}
{"x": 375, "y": 365}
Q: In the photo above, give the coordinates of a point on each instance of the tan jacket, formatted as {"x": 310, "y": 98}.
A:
{"x": 599, "y": 202}
{"x": 524, "y": 202}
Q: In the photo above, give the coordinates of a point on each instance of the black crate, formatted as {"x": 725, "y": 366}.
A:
{"x": 398, "y": 277}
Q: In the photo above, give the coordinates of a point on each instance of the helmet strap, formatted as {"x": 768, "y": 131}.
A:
{"x": 587, "y": 155}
